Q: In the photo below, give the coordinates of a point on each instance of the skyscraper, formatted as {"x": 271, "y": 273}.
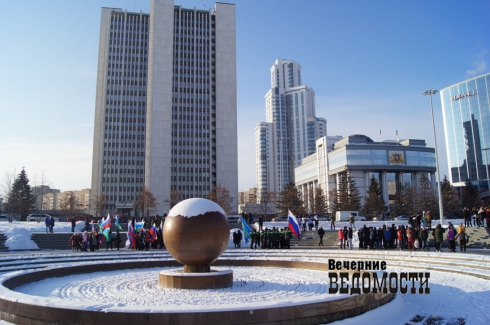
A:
{"x": 465, "y": 111}
{"x": 165, "y": 114}
{"x": 290, "y": 130}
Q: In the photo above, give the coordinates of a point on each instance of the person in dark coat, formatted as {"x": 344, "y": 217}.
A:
{"x": 118, "y": 239}
{"x": 321, "y": 233}
{"x": 424, "y": 236}
{"x": 438, "y": 234}
{"x": 73, "y": 224}
{"x": 51, "y": 224}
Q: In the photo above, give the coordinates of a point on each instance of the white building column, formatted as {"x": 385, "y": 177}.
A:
{"x": 433, "y": 180}
{"x": 384, "y": 187}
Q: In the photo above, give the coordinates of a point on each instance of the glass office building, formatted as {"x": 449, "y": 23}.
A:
{"x": 466, "y": 114}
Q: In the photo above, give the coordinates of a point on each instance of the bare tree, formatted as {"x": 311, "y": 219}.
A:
{"x": 6, "y": 189}
{"x": 146, "y": 201}
{"x": 175, "y": 197}
{"x": 265, "y": 199}
{"x": 221, "y": 196}
{"x": 70, "y": 203}
{"x": 100, "y": 203}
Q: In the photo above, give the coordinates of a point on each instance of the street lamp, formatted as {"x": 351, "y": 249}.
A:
{"x": 281, "y": 175}
{"x": 431, "y": 92}
{"x": 486, "y": 158}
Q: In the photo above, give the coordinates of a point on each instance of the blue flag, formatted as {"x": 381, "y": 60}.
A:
{"x": 246, "y": 230}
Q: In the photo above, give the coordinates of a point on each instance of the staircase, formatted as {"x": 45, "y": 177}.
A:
{"x": 3, "y": 239}
{"x": 311, "y": 238}
{"x": 60, "y": 240}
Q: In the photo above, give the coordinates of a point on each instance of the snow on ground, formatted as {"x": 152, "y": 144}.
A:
{"x": 452, "y": 295}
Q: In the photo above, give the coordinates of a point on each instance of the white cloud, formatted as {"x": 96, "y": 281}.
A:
{"x": 480, "y": 64}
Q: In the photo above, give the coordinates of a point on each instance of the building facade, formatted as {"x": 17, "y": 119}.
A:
{"x": 466, "y": 115}
{"x": 166, "y": 111}
{"x": 390, "y": 162}
{"x": 290, "y": 130}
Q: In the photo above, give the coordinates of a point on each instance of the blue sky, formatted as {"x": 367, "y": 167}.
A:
{"x": 368, "y": 62}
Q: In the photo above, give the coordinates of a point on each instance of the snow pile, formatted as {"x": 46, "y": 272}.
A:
{"x": 19, "y": 238}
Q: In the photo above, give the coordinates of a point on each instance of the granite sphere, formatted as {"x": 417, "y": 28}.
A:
{"x": 196, "y": 232}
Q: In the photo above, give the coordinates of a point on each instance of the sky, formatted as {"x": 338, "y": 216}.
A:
{"x": 368, "y": 61}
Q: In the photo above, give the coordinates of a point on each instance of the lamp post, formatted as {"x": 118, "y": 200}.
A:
{"x": 486, "y": 160}
{"x": 281, "y": 175}
{"x": 431, "y": 92}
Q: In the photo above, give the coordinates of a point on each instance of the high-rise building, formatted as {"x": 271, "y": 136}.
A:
{"x": 466, "y": 115}
{"x": 165, "y": 114}
{"x": 290, "y": 130}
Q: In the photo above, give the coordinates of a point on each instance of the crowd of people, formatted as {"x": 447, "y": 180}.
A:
{"x": 92, "y": 241}
{"x": 273, "y": 238}
{"x": 476, "y": 217}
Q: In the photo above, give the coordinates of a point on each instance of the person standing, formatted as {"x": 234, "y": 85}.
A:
{"x": 73, "y": 242}
{"x": 109, "y": 240}
{"x": 438, "y": 233}
{"x": 349, "y": 238}
{"x": 428, "y": 219}
{"x": 467, "y": 217}
{"x": 73, "y": 224}
{"x": 341, "y": 237}
{"x": 480, "y": 217}
{"x": 47, "y": 222}
{"x": 463, "y": 238}
{"x": 351, "y": 221}
{"x": 332, "y": 221}
{"x": 451, "y": 238}
{"x": 410, "y": 237}
{"x": 51, "y": 224}
{"x": 261, "y": 223}
{"x": 321, "y": 233}
{"x": 424, "y": 236}
{"x": 84, "y": 241}
{"x": 387, "y": 238}
{"x": 118, "y": 238}
{"x": 310, "y": 223}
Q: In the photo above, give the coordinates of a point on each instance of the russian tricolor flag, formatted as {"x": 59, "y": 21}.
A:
{"x": 293, "y": 224}
{"x": 104, "y": 224}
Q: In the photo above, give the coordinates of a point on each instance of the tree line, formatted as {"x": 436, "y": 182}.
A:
{"x": 20, "y": 200}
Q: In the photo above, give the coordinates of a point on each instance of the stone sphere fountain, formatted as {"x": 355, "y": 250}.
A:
{"x": 196, "y": 232}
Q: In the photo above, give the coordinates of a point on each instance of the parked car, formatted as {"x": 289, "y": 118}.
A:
{"x": 5, "y": 217}
{"x": 42, "y": 216}
{"x": 402, "y": 218}
{"x": 280, "y": 218}
{"x": 233, "y": 219}
{"x": 323, "y": 218}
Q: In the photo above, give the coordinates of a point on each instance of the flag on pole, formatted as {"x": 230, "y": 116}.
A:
{"x": 293, "y": 224}
{"x": 153, "y": 233}
{"x": 104, "y": 224}
{"x": 246, "y": 230}
{"x": 118, "y": 224}
{"x": 138, "y": 226}
{"x": 130, "y": 236}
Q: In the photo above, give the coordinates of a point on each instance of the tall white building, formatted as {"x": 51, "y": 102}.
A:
{"x": 165, "y": 114}
{"x": 290, "y": 130}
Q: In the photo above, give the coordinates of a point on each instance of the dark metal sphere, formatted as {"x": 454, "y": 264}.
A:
{"x": 196, "y": 232}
